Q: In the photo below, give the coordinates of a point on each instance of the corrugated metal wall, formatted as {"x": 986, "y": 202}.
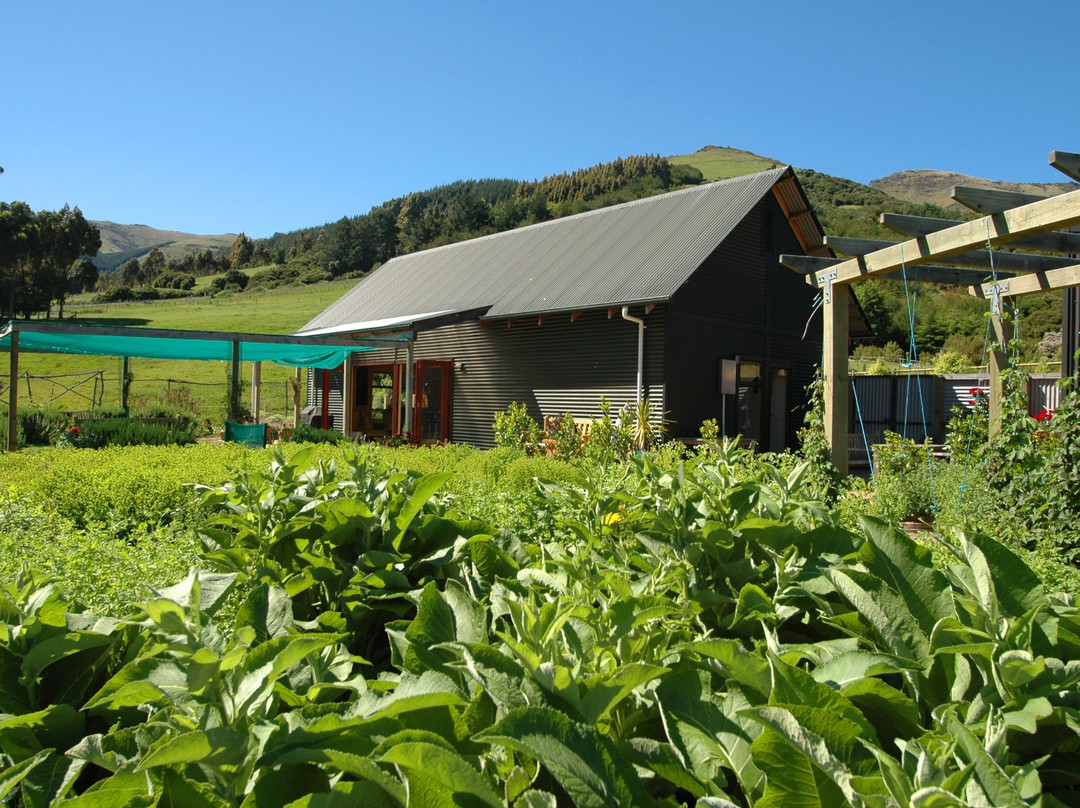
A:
{"x": 896, "y": 403}
{"x": 909, "y": 405}
{"x": 1043, "y": 391}
{"x": 315, "y": 396}
{"x": 742, "y": 302}
{"x": 556, "y": 367}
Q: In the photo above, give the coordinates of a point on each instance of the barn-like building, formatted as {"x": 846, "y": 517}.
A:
{"x": 643, "y": 299}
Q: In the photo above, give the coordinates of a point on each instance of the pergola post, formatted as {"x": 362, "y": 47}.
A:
{"x": 1002, "y": 334}
{"x": 346, "y": 397}
{"x": 125, "y": 371}
{"x": 296, "y": 396}
{"x": 410, "y": 384}
{"x": 234, "y": 381}
{"x": 834, "y": 371}
{"x": 13, "y": 394}
{"x": 256, "y": 390}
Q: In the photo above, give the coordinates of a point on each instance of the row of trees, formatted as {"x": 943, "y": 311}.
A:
{"x": 44, "y": 257}
{"x": 464, "y": 210}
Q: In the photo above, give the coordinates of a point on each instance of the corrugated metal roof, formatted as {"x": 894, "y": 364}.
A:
{"x": 640, "y": 251}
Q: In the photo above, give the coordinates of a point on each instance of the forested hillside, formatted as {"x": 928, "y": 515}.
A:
{"x": 946, "y": 318}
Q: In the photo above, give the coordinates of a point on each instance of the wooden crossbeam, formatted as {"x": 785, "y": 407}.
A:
{"x": 923, "y": 226}
{"x": 976, "y": 259}
{"x": 991, "y": 200}
{"x": 1068, "y": 163}
{"x": 856, "y": 246}
{"x": 1000, "y": 228}
{"x": 1028, "y": 284}
{"x": 929, "y": 273}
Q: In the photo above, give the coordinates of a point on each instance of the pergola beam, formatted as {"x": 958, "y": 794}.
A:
{"x": 991, "y": 200}
{"x": 917, "y": 226}
{"x": 1029, "y": 284}
{"x": 976, "y": 259}
{"x": 1000, "y": 228}
{"x": 957, "y": 276}
{"x": 1068, "y": 163}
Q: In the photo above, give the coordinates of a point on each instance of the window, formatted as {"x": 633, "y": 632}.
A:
{"x": 749, "y": 398}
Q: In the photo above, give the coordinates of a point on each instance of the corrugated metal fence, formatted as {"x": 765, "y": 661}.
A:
{"x": 918, "y": 406}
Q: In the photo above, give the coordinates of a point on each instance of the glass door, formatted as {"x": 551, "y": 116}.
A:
{"x": 432, "y": 413}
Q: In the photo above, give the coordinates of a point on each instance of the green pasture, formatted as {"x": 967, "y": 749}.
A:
{"x": 69, "y": 382}
{"x": 719, "y": 164}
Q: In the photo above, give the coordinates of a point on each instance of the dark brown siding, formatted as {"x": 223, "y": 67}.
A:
{"x": 557, "y": 367}
{"x": 741, "y": 302}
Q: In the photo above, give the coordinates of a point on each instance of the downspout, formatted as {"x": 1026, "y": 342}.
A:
{"x": 640, "y": 347}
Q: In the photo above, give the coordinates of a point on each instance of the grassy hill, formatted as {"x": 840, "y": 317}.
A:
{"x": 122, "y": 242}
{"x": 936, "y": 187}
{"x": 722, "y": 162}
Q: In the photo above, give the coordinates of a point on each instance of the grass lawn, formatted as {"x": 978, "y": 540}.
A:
{"x": 278, "y": 311}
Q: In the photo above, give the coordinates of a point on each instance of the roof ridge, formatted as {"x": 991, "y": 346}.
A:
{"x": 705, "y": 186}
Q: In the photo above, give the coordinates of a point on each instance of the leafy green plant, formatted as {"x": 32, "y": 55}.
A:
{"x": 814, "y": 446}
{"x": 40, "y": 426}
{"x": 516, "y": 429}
{"x": 306, "y": 433}
{"x": 96, "y": 434}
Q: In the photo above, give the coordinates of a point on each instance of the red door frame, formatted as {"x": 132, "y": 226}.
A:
{"x": 398, "y": 392}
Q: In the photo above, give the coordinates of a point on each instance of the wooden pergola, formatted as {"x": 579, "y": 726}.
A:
{"x": 945, "y": 251}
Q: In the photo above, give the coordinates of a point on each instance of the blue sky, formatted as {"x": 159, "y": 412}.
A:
{"x": 235, "y": 115}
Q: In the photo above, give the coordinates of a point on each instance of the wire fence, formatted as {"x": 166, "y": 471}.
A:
{"x": 89, "y": 390}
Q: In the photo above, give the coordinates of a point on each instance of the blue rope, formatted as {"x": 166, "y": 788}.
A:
{"x": 862, "y": 427}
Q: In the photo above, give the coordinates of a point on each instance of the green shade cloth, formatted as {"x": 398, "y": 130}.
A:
{"x": 181, "y": 347}
{"x": 248, "y": 434}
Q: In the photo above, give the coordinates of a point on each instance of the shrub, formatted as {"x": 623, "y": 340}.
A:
{"x": 40, "y": 426}
{"x": 905, "y": 480}
{"x": 516, "y": 429}
{"x": 306, "y": 433}
{"x": 95, "y": 434}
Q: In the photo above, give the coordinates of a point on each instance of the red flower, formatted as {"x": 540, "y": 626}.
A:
{"x": 74, "y": 431}
{"x": 1045, "y": 415}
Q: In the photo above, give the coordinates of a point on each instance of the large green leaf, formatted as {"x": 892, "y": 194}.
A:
{"x": 58, "y": 726}
{"x": 214, "y": 747}
{"x": 50, "y": 781}
{"x": 207, "y": 589}
{"x": 423, "y": 491}
{"x": 998, "y": 787}
{"x": 749, "y": 669}
{"x": 502, "y": 678}
{"x": 908, "y": 569}
{"x": 178, "y": 791}
{"x": 13, "y": 775}
{"x": 853, "y": 666}
{"x": 794, "y": 686}
{"x": 275, "y": 788}
{"x": 586, "y": 764}
{"x": 267, "y": 610}
{"x": 897, "y": 628}
{"x": 63, "y": 647}
{"x": 706, "y": 735}
{"x": 349, "y": 794}
{"x": 447, "y": 769}
{"x": 800, "y": 768}
{"x": 118, "y": 791}
{"x": 603, "y": 696}
{"x": 430, "y": 689}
